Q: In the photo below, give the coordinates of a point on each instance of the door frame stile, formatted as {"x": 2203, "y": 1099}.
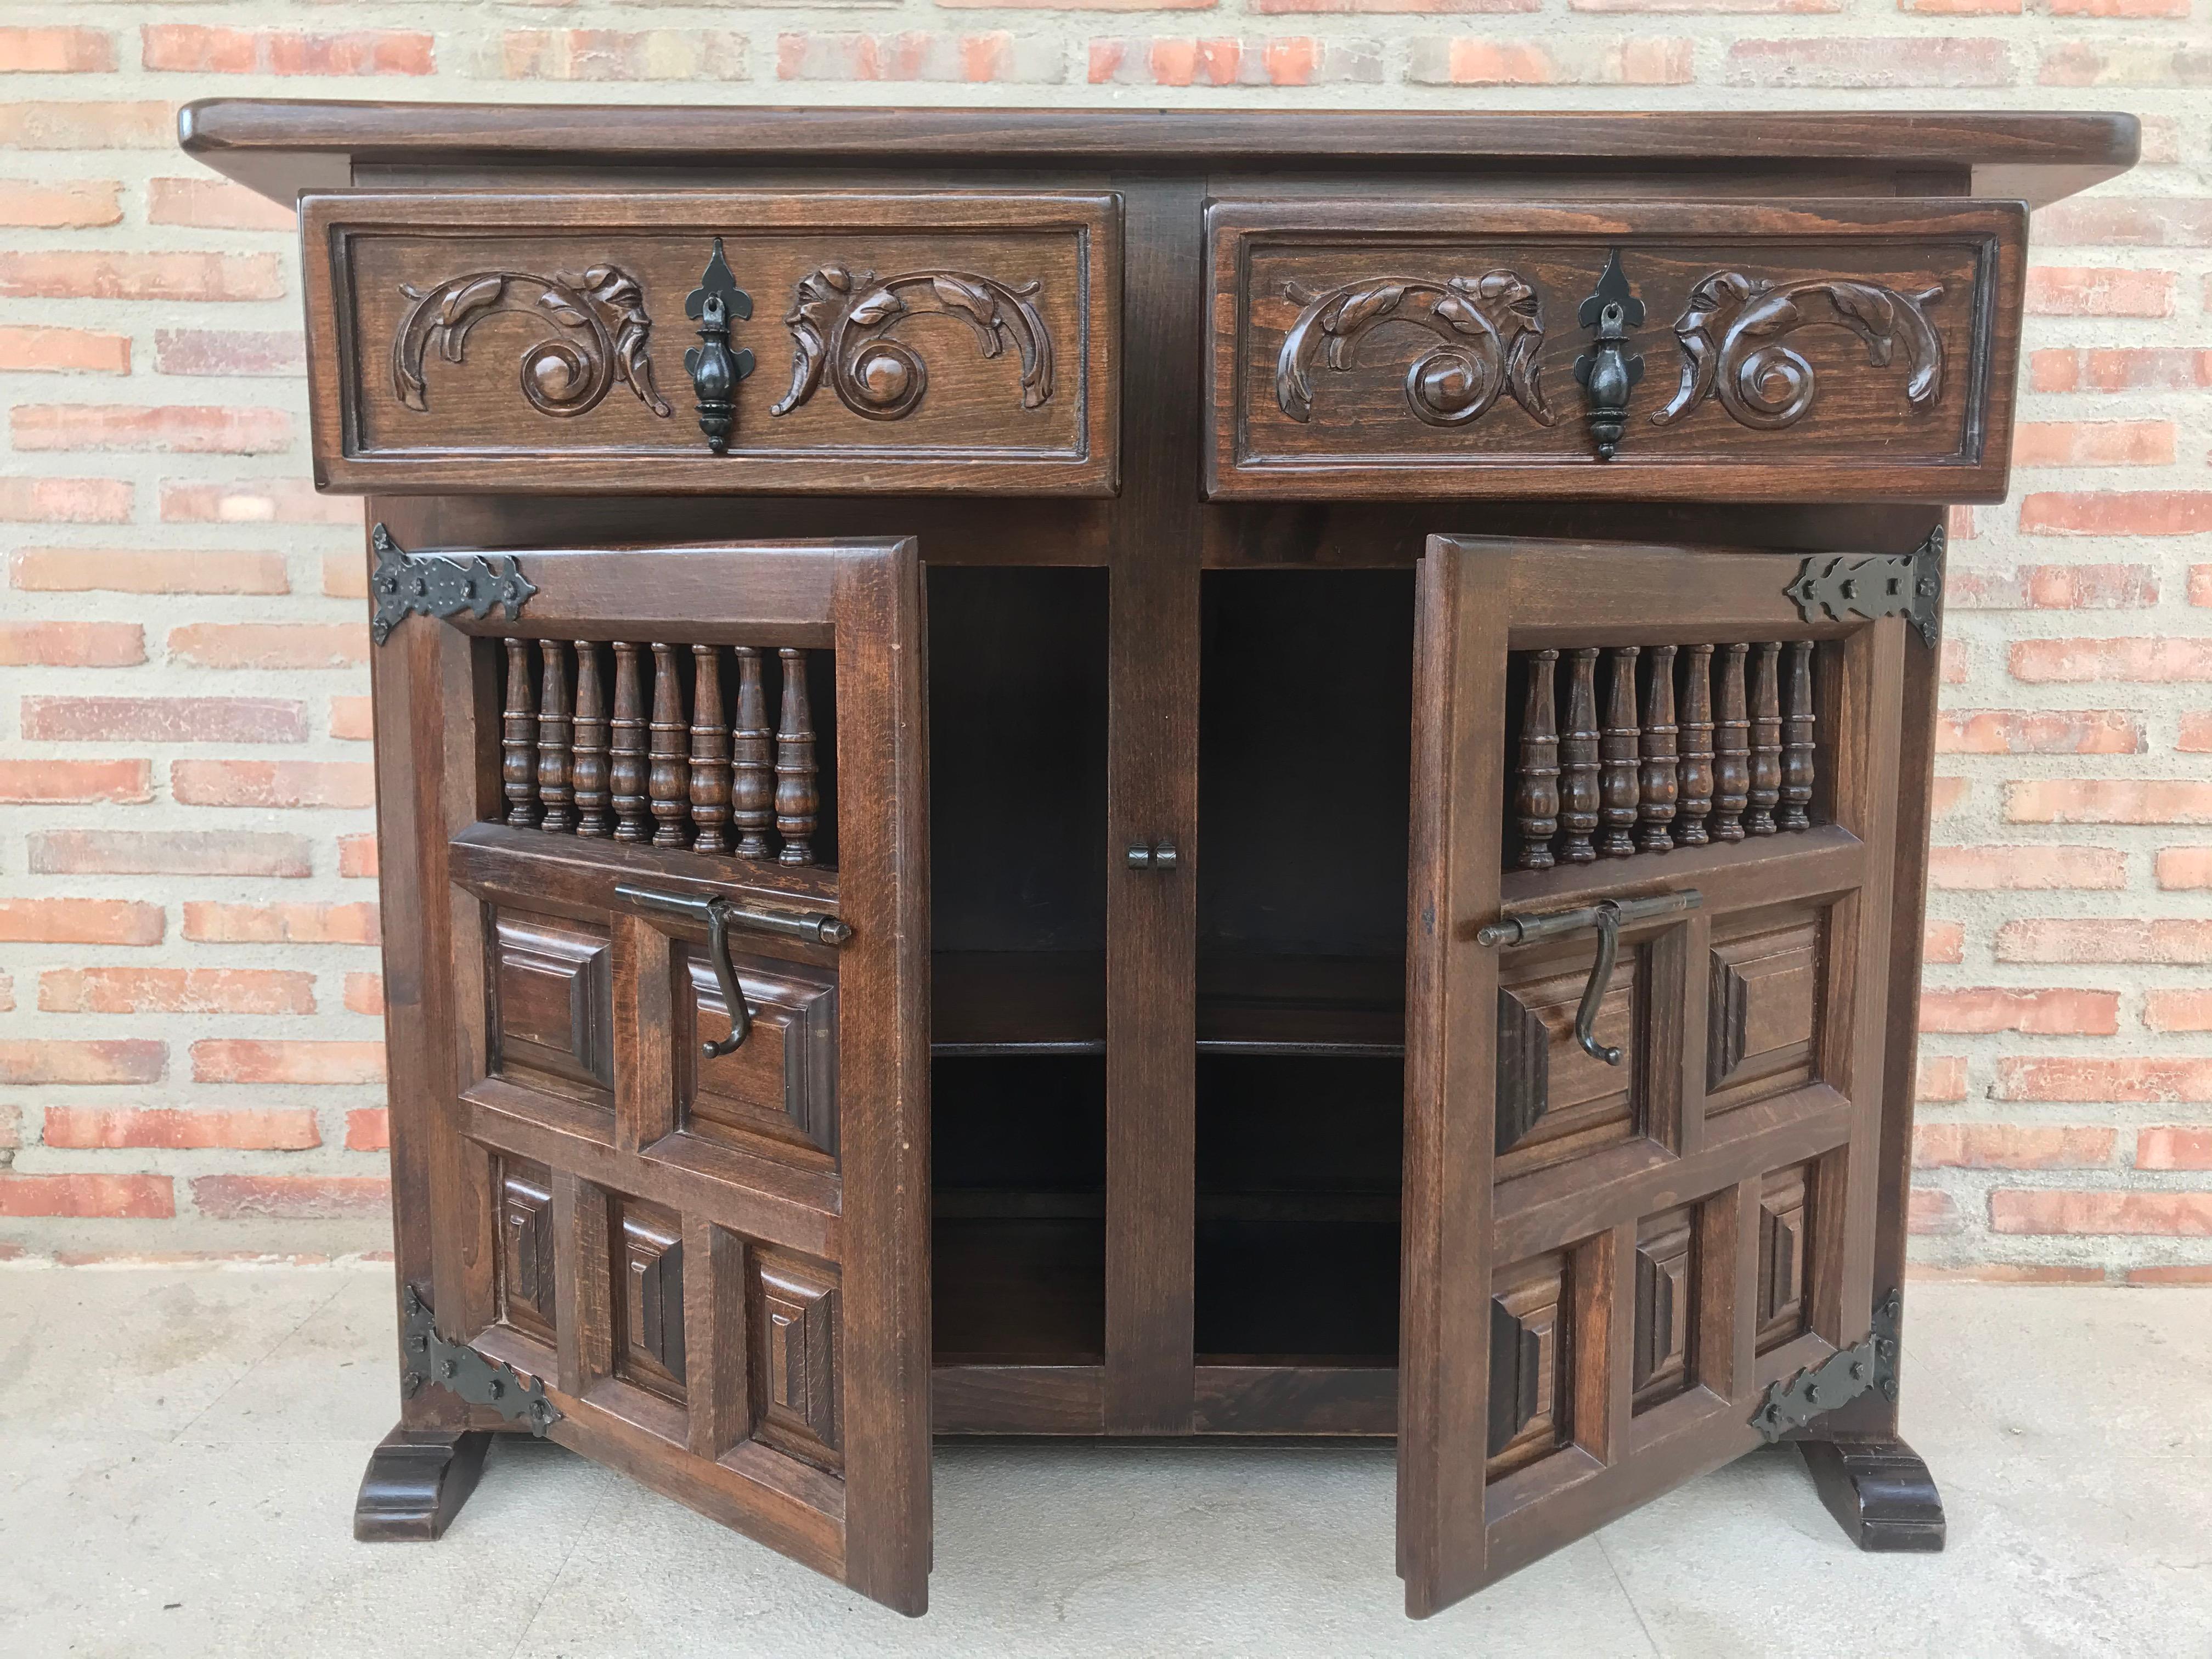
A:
{"x": 1451, "y": 1036}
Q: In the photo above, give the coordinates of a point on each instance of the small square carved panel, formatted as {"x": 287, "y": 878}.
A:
{"x": 649, "y": 1289}
{"x": 1554, "y": 1101}
{"x": 796, "y": 1346}
{"x": 553, "y": 1004}
{"x": 1529, "y": 1346}
{"x": 1785, "y": 1215}
{"x": 1762, "y": 1014}
{"x": 1662, "y": 1365}
{"x": 525, "y": 1192}
{"x": 781, "y": 1084}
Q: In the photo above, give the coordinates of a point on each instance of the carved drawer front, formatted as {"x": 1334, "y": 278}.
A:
{"x": 715, "y": 341}
{"x": 1722, "y": 350}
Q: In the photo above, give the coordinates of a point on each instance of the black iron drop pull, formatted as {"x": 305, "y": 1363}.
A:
{"x": 1609, "y": 371}
{"x": 715, "y": 370}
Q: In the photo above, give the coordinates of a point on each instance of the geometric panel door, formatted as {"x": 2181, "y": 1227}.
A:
{"x": 1631, "y": 1207}
{"x": 661, "y": 1025}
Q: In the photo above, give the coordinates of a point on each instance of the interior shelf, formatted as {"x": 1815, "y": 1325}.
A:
{"x": 1014, "y": 1002}
{"x": 1014, "y": 1290}
{"x": 1253, "y": 1002}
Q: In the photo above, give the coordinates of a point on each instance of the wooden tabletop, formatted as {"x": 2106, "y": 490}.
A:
{"x": 279, "y": 147}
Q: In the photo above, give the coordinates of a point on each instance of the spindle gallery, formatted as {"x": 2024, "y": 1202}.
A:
{"x": 1662, "y": 783}
{"x": 679, "y": 780}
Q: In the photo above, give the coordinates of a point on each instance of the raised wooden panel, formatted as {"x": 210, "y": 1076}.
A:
{"x": 1789, "y": 351}
{"x": 649, "y": 1298}
{"x": 902, "y": 341}
{"x": 1554, "y": 1101}
{"x": 780, "y": 1083}
{"x": 796, "y": 1350}
{"x": 1785, "y": 1202}
{"x": 1762, "y": 1011}
{"x": 553, "y": 992}
{"x": 1528, "y": 1318}
{"x": 526, "y": 1248}
{"x": 1666, "y": 1292}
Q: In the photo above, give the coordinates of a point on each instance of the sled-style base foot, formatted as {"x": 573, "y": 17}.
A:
{"x": 416, "y": 1481}
{"x": 1879, "y": 1490}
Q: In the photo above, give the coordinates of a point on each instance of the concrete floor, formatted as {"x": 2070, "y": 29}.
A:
{"x": 179, "y": 1450}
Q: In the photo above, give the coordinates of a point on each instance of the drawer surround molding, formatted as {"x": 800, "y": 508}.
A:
{"x": 398, "y": 278}
{"x": 1757, "y": 300}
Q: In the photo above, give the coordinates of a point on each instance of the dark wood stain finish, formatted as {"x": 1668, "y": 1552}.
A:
{"x": 1241, "y": 1137}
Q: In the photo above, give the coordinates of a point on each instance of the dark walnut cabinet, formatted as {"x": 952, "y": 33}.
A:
{"x": 1280, "y": 788}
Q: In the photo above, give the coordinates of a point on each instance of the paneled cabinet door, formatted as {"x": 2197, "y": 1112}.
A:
{"x": 667, "y": 809}
{"x": 1631, "y": 1207}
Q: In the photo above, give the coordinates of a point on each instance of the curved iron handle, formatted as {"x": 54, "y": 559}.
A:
{"x": 1601, "y": 980}
{"x": 1607, "y": 916}
{"x": 725, "y": 975}
{"x": 720, "y": 914}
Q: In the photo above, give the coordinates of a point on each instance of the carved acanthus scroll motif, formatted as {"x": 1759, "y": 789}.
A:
{"x": 1491, "y": 328}
{"x": 1732, "y": 331}
{"x": 840, "y": 321}
{"x": 603, "y": 311}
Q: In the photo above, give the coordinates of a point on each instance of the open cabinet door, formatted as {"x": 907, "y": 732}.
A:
{"x": 1614, "y": 1251}
{"x": 641, "y": 789}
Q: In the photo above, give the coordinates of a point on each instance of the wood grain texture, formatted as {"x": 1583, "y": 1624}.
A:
{"x": 276, "y": 146}
{"x": 1153, "y": 657}
{"x": 1934, "y": 294}
{"x": 955, "y": 416}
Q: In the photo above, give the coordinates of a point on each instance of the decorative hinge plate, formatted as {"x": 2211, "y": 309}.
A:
{"x": 406, "y": 584}
{"x": 1814, "y": 1392}
{"x": 1874, "y": 584}
{"x": 462, "y": 1371}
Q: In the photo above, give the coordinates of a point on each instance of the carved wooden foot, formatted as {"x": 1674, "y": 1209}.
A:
{"x": 1879, "y": 1490}
{"x": 416, "y": 1481}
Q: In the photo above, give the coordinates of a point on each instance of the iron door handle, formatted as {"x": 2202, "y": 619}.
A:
{"x": 1607, "y": 916}
{"x": 719, "y": 914}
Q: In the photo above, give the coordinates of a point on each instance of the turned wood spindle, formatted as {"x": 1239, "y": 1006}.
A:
{"x": 1765, "y": 740}
{"x": 1617, "y": 753}
{"x": 1695, "y": 799}
{"x": 1731, "y": 748}
{"x": 752, "y": 760}
{"x": 1797, "y": 756}
{"x": 796, "y": 800}
{"x": 710, "y": 753}
{"x": 1578, "y": 790}
{"x": 553, "y": 785}
{"x": 587, "y": 769}
{"x": 1662, "y": 782}
{"x": 626, "y": 769}
{"x": 517, "y": 739}
{"x": 665, "y": 778}
{"x": 1537, "y": 798}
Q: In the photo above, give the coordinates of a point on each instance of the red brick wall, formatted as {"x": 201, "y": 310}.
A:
{"x": 188, "y": 991}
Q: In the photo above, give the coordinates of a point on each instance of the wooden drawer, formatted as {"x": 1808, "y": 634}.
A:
{"x": 1801, "y": 351}
{"x": 933, "y": 341}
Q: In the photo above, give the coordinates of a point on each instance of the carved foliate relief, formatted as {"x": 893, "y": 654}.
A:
{"x": 840, "y": 320}
{"x": 602, "y": 327}
{"x": 1490, "y": 329}
{"x": 1732, "y": 334}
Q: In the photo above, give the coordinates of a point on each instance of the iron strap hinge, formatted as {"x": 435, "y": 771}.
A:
{"x": 1794, "y": 1402}
{"x": 460, "y": 1370}
{"x": 406, "y": 585}
{"x": 1875, "y": 585}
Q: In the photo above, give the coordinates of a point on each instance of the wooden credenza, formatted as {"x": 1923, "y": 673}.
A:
{"x": 1281, "y": 789}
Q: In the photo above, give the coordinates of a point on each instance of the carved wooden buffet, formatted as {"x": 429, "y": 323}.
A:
{"x": 1281, "y": 790}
